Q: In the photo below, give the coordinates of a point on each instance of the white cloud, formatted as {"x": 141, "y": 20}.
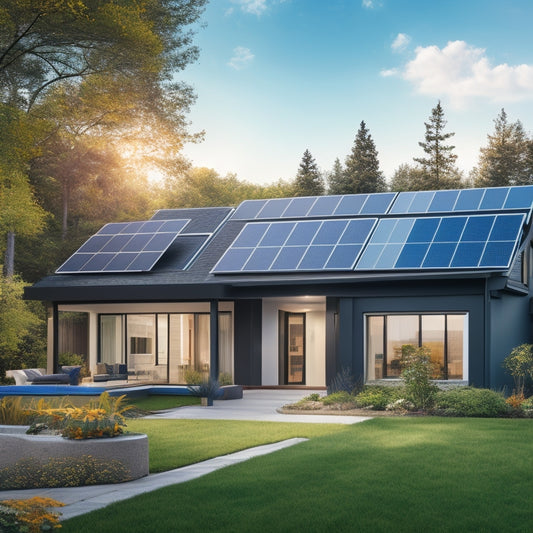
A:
{"x": 371, "y": 4}
{"x": 255, "y": 7}
{"x": 242, "y": 57}
{"x": 400, "y": 43}
{"x": 388, "y": 73}
{"x": 460, "y": 72}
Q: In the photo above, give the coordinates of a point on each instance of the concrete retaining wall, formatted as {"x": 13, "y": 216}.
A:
{"x": 130, "y": 450}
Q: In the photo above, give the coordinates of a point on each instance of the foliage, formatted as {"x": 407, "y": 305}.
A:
{"x": 362, "y": 173}
{"x": 504, "y": 161}
{"x": 343, "y": 381}
{"x": 225, "y": 378}
{"x": 193, "y": 377}
{"x": 417, "y": 370}
{"x": 336, "y": 179}
{"x": 208, "y": 388}
{"x": 527, "y": 407}
{"x": 97, "y": 419}
{"x": 378, "y": 397}
{"x": 407, "y": 178}
{"x": 63, "y": 472}
{"x": 314, "y": 397}
{"x": 519, "y": 364}
{"x": 515, "y": 401}
{"x": 339, "y": 397}
{"x": 439, "y": 167}
{"x": 28, "y": 516}
{"x": 13, "y": 412}
{"x": 471, "y": 402}
{"x": 308, "y": 181}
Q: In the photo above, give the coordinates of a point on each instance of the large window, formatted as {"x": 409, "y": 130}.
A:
{"x": 165, "y": 346}
{"x": 444, "y": 334}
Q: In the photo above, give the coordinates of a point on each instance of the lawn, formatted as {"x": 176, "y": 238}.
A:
{"x": 388, "y": 474}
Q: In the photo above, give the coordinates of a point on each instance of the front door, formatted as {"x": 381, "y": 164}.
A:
{"x": 294, "y": 348}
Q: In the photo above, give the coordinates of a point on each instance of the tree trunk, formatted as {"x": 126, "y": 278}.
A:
{"x": 9, "y": 259}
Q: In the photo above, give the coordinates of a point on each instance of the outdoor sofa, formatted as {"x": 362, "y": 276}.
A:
{"x": 68, "y": 375}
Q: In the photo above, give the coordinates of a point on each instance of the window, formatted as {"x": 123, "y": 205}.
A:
{"x": 443, "y": 334}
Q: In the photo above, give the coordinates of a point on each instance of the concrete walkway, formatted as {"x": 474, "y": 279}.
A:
{"x": 260, "y": 405}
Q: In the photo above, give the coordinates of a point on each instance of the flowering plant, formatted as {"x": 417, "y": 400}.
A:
{"x": 31, "y": 515}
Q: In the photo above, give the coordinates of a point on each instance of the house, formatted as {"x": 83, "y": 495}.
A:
{"x": 290, "y": 291}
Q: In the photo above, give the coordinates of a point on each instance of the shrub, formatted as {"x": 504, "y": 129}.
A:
{"x": 378, "y": 397}
{"x": 101, "y": 418}
{"x": 193, "y": 377}
{"x": 209, "y": 389}
{"x": 13, "y": 412}
{"x": 339, "y": 397}
{"x": 519, "y": 364}
{"x": 225, "y": 378}
{"x": 30, "y": 516}
{"x": 469, "y": 401}
{"x": 63, "y": 472}
{"x": 314, "y": 397}
{"x": 417, "y": 370}
{"x": 515, "y": 401}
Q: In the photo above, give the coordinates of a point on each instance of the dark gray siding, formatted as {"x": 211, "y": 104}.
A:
{"x": 248, "y": 340}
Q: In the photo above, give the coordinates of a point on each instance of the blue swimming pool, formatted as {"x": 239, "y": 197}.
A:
{"x": 70, "y": 390}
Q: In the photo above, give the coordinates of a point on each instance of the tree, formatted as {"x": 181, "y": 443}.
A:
{"x": 407, "y": 178}
{"x": 504, "y": 161}
{"x": 309, "y": 181}
{"x": 337, "y": 179}
{"x": 439, "y": 167}
{"x": 362, "y": 174}
{"x": 92, "y": 65}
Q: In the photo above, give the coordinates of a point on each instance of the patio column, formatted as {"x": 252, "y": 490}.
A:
{"x": 55, "y": 337}
{"x": 213, "y": 323}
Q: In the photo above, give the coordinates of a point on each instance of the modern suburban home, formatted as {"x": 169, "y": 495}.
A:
{"x": 291, "y": 291}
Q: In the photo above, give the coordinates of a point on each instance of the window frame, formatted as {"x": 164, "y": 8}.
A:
{"x": 419, "y": 314}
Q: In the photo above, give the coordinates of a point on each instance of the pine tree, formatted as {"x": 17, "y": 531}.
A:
{"x": 504, "y": 161}
{"x": 362, "y": 165}
{"x": 439, "y": 167}
{"x": 309, "y": 181}
{"x": 337, "y": 179}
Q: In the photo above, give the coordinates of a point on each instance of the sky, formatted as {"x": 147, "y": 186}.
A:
{"x": 277, "y": 77}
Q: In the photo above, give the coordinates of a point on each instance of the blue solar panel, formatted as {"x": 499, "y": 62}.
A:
{"x": 124, "y": 247}
{"x": 315, "y": 206}
{"x": 452, "y": 201}
{"x": 305, "y": 245}
{"x": 475, "y": 241}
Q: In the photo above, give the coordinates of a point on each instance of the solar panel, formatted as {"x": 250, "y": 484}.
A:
{"x": 490, "y": 199}
{"x": 124, "y": 247}
{"x": 305, "y": 245}
{"x": 315, "y": 206}
{"x": 474, "y": 241}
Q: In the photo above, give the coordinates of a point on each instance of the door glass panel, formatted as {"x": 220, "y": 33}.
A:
{"x": 203, "y": 346}
{"x": 433, "y": 330}
{"x": 456, "y": 324}
{"x": 401, "y": 329}
{"x": 375, "y": 348}
{"x": 111, "y": 339}
{"x": 295, "y": 348}
{"x": 181, "y": 346}
{"x": 225, "y": 343}
{"x": 141, "y": 346}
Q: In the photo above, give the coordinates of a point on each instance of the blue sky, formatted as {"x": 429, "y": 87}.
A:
{"x": 277, "y": 77}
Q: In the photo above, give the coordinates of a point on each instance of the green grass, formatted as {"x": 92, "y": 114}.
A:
{"x": 159, "y": 402}
{"x": 175, "y": 443}
{"x": 385, "y": 475}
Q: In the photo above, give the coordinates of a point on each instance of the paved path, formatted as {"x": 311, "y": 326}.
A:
{"x": 261, "y": 405}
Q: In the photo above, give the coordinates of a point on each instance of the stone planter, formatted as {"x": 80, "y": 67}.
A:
{"x": 128, "y": 451}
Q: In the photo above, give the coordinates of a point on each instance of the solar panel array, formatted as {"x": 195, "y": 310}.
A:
{"x": 476, "y": 241}
{"x": 297, "y": 246}
{"x": 454, "y": 201}
{"x": 124, "y": 247}
{"x": 315, "y": 206}
{"x": 452, "y": 229}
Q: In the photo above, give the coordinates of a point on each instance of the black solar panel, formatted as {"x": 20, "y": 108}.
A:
{"x": 124, "y": 247}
